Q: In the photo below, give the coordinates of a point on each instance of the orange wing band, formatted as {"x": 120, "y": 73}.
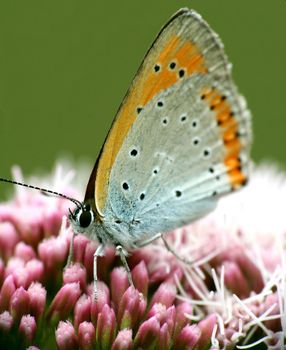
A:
{"x": 229, "y": 128}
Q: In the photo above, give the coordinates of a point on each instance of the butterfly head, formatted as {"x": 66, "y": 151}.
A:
{"x": 82, "y": 217}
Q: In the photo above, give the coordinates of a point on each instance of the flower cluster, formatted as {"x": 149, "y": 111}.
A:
{"x": 232, "y": 295}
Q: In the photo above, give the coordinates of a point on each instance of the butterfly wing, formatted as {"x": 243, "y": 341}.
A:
{"x": 181, "y": 137}
{"x": 148, "y": 82}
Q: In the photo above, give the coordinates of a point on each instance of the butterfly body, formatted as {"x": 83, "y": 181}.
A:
{"x": 180, "y": 140}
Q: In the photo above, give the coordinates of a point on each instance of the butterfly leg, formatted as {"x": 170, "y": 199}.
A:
{"x": 168, "y": 247}
{"x": 70, "y": 256}
{"x": 122, "y": 253}
{"x": 171, "y": 250}
{"x": 193, "y": 263}
{"x": 98, "y": 252}
{"x": 141, "y": 244}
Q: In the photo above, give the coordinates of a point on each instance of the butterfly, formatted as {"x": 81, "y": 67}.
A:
{"x": 180, "y": 140}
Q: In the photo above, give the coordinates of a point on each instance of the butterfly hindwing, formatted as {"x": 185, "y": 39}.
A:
{"x": 179, "y": 166}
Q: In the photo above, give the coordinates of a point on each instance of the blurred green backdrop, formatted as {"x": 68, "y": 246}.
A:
{"x": 66, "y": 65}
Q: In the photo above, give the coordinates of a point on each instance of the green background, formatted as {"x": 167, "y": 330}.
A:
{"x": 66, "y": 65}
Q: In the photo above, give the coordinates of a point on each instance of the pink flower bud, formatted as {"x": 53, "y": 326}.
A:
{"x": 52, "y": 219}
{"x": 88, "y": 258}
{"x": 131, "y": 308}
{"x": 8, "y": 239}
{"x": 35, "y": 269}
{"x": 7, "y": 290}
{"x": 159, "y": 275}
{"x": 181, "y": 320}
{"x": 164, "y": 337}
{"x": 235, "y": 280}
{"x": 75, "y": 273}
{"x": 6, "y": 211}
{"x": 165, "y": 294}
{"x": 251, "y": 272}
{"x": 13, "y": 265}
{"x": 19, "y": 303}
{"x": 164, "y": 315}
{"x": 37, "y": 295}
{"x": 148, "y": 334}
{"x": 21, "y": 277}
{"x": 118, "y": 285}
{"x": 188, "y": 338}
{"x": 170, "y": 318}
{"x": 64, "y": 301}
{"x": 82, "y": 310}
{"x": 86, "y": 336}
{"x": 106, "y": 325}
{"x": 53, "y": 252}
{"x": 29, "y": 224}
{"x": 6, "y": 321}
{"x": 28, "y": 328}
{"x": 66, "y": 338}
{"x": 140, "y": 278}
{"x": 123, "y": 341}
{"x": 103, "y": 298}
{"x": 24, "y": 251}
{"x": 206, "y": 326}
{"x": 80, "y": 243}
{"x": 158, "y": 310}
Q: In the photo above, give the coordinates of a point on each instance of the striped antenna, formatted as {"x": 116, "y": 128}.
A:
{"x": 44, "y": 190}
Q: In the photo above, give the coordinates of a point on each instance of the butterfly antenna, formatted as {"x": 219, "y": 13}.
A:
{"x": 75, "y": 201}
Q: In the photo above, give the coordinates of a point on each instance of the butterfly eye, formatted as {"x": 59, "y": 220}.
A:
{"x": 85, "y": 218}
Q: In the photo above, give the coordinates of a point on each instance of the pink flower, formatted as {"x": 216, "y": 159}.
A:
{"x": 37, "y": 296}
{"x": 75, "y": 273}
{"x": 232, "y": 295}
{"x": 66, "y": 337}
{"x": 19, "y": 303}
{"x": 86, "y": 335}
{"x": 131, "y": 309}
{"x": 6, "y": 322}
{"x": 64, "y": 301}
{"x": 82, "y": 310}
{"x": 28, "y": 327}
{"x": 123, "y": 340}
{"x": 7, "y": 290}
